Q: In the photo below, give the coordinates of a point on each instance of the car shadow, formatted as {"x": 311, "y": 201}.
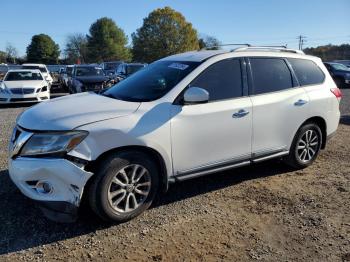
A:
{"x": 23, "y": 226}
{"x": 345, "y": 120}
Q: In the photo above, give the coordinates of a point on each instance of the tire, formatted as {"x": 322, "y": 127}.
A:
{"x": 300, "y": 157}
{"x": 110, "y": 180}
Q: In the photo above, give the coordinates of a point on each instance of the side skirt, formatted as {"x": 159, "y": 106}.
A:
{"x": 202, "y": 171}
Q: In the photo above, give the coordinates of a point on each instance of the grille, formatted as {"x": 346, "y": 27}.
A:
{"x": 22, "y": 91}
{"x": 93, "y": 86}
{"x": 17, "y": 91}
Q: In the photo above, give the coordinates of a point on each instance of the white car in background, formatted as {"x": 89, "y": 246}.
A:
{"x": 43, "y": 69}
{"x": 24, "y": 85}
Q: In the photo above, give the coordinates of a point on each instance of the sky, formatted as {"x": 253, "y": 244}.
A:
{"x": 258, "y": 22}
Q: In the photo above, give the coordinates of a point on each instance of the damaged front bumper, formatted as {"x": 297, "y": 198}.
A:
{"x": 58, "y": 184}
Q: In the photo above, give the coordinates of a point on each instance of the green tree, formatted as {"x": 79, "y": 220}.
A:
{"x": 209, "y": 42}
{"x": 107, "y": 42}
{"x": 43, "y": 49}
{"x": 164, "y": 32}
{"x": 76, "y": 48}
{"x": 3, "y": 57}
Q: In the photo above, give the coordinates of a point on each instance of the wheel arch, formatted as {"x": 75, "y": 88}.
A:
{"x": 154, "y": 154}
{"x": 322, "y": 125}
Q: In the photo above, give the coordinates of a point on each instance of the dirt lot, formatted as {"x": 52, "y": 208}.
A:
{"x": 266, "y": 212}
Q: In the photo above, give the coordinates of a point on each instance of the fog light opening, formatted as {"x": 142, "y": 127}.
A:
{"x": 44, "y": 187}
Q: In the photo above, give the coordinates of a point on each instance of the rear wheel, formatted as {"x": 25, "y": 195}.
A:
{"x": 305, "y": 147}
{"x": 124, "y": 187}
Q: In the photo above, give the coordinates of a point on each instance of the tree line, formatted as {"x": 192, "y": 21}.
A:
{"x": 164, "y": 32}
{"x": 330, "y": 52}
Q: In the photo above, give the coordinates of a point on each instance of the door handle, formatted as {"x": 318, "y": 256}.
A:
{"x": 240, "y": 113}
{"x": 300, "y": 102}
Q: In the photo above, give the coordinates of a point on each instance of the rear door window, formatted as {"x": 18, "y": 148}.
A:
{"x": 270, "y": 75}
{"x": 307, "y": 72}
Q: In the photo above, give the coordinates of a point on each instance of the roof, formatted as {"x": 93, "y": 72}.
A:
{"x": 199, "y": 56}
{"x": 39, "y": 65}
{"x": 24, "y": 70}
{"x": 88, "y": 65}
{"x": 194, "y": 56}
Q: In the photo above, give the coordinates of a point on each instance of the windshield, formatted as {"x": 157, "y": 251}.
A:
{"x": 151, "y": 83}
{"x": 340, "y": 67}
{"x": 134, "y": 68}
{"x": 69, "y": 70}
{"x": 42, "y": 69}
{"x": 22, "y": 76}
{"x": 111, "y": 66}
{"x": 89, "y": 71}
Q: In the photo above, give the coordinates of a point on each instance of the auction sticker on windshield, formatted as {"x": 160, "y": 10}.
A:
{"x": 178, "y": 66}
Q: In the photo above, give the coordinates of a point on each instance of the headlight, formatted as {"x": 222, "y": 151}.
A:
{"x": 3, "y": 89}
{"x": 52, "y": 143}
{"x": 347, "y": 76}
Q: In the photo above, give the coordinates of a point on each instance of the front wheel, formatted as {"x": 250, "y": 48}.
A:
{"x": 305, "y": 147}
{"x": 124, "y": 186}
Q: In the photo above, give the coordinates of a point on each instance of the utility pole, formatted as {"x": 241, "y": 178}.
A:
{"x": 302, "y": 40}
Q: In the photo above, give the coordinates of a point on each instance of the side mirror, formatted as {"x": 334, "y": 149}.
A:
{"x": 196, "y": 95}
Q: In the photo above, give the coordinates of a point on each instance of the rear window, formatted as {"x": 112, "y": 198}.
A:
{"x": 42, "y": 69}
{"x": 270, "y": 75}
{"x": 307, "y": 72}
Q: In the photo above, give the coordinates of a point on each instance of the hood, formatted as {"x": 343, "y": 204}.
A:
{"x": 69, "y": 112}
{"x": 91, "y": 79}
{"x": 24, "y": 84}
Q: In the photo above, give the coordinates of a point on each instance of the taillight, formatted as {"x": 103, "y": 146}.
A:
{"x": 336, "y": 92}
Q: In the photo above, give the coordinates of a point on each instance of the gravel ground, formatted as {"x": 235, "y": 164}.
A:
{"x": 265, "y": 212}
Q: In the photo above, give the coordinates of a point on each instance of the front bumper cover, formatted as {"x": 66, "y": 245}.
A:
{"x": 66, "y": 179}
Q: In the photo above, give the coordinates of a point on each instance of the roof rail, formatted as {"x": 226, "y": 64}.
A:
{"x": 217, "y": 46}
{"x": 270, "y": 48}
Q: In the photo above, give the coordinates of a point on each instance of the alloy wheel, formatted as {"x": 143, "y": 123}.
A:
{"x": 308, "y": 145}
{"x": 129, "y": 188}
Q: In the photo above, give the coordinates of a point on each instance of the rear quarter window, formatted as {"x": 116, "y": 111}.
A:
{"x": 307, "y": 72}
{"x": 270, "y": 75}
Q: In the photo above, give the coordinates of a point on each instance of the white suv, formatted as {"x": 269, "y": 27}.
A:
{"x": 43, "y": 69}
{"x": 181, "y": 117}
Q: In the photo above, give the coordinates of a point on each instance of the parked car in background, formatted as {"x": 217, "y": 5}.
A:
{"x": 181, "y": 117}
{"x": 67, "y": 77}
{"x": 125, "y": 70}
{"x": 87, "y": 78}
{"x": 24, "y": 85}
{"x": 54, "y": 71}
{"x": 110, "y": 67}
{"x": 61, "y": 73}
{"x": 344, "y": 62}
{"x": 339, "y": 72}
{"x": 3, "y": 70}
{"x": 43, "y": 69}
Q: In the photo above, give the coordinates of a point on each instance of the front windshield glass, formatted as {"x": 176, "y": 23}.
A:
{"x": 89, "y": 71}
{"x": 23, "y": 76}
{"x": 69, "y": 70}
{"x": 151, "y": 83}
{"x": 112, "y": 66}
{"x": 134, "y": 68}
{"x": 340, "y": 67}
{"x": 42, "y": 69}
